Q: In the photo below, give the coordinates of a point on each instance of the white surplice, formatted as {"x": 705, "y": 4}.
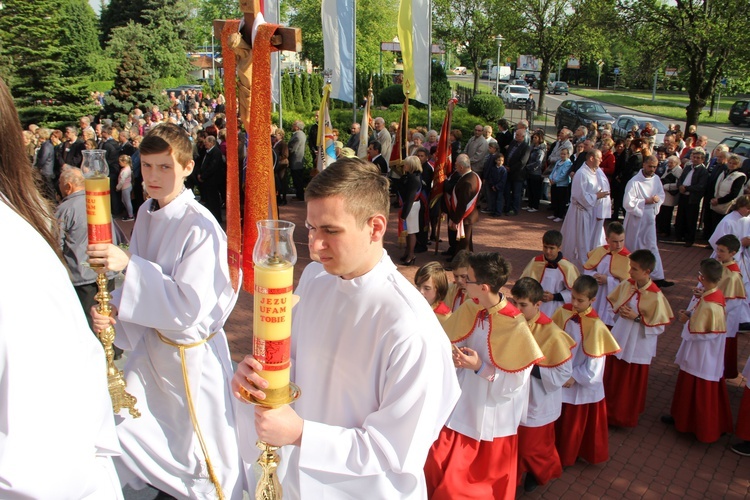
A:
{"x": 583, "y": 226}
{"x": 488, "y": 409}
{"x": 545, "y": 395}
{"x": 57, "y": 433}
{"x": 177, "y": 282}
{"x": 742, "y": 227}
{"x": 588, "y": 372}
{"x": 553, "y": 282}
{"x": 637, "y": 341}
{"x": 378, "y": 383}
{"x": 601, "y": 305}
{"x": 640, "y": 218}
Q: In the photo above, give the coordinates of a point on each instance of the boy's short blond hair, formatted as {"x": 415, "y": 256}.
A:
{"x": 169, "y": 138}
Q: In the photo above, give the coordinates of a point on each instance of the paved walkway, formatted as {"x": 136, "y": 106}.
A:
{"x": 650, "y": 461}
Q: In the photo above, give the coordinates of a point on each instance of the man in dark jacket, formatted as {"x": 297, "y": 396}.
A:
{"x": 297, "y": 158}
{"x": 516, "y": 158}
{"x": 692, "y": 187}
{"x": 210, "y": 177}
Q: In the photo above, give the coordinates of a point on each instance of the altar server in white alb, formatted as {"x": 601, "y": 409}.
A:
{"x": 642, "y": 315}
{"x": 169, "y": 316}
{"x": 537, "y": 455}
{"x": 609, "y": 265}
{"x": 590, "y": 204}
{"x": 57, "y": 432}
{"x": 644, "y": 195}
{"x": 370, "y": 356}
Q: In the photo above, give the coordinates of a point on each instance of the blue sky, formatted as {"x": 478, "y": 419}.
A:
{"x": 95, "y": 4}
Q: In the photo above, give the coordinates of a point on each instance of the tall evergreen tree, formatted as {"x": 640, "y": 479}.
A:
{"x": 119, "y": 13}
{"x": 30, "y": 33}
{"x": 287, "y": 96}
{"x": 79, "y": 38}
{"x": 306, "y": 103}
{"x": 134, "y": 87}
{"x": 163, "y": 52}
{"x": 297, "y": 89}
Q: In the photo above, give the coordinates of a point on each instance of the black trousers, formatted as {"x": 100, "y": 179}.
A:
{"x": 560, "y": 199}
{"x": 534, "y": 185}
{"x": 212, "y": 195}
{"x": 686, "y": 222}
{"x": 664, "y": 220}
{"x": 298, "y": 177}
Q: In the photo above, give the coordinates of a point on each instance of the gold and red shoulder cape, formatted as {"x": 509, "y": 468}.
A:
{"x": 731, "y": 284}
{"x": 709, "y": 315}
{"x": 510, "y": 344}
{"x": 651, "y": 303}
{"x": 535, "y": 269}
{"x": 619, "y": 264}
{"x": 597, "y": 339}
{"x": 555, "y": 344}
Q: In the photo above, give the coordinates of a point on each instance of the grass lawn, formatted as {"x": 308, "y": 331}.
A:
{"x": 671, "y": 106}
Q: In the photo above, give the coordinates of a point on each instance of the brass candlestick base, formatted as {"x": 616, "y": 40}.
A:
{"x": 269, "y": 487}
{"x": 120, "y": 397}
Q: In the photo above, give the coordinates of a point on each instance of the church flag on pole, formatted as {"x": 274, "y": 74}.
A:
{"x": 326, "y": 144}
{"x": 337, "y": 17}
{"x": 399, "y": 152}
{"x": 414, "y": 35}
{"x": 443, "y": 167}
{"x": 364, "y": 129}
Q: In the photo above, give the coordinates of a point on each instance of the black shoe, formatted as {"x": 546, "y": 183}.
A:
{"x": 409, "y": 262}
{"x": 530, "y": 483}
{"x": 420, "y": 249}
{"x": 663, "y": 283}
{"x": 667, "y": 419}
{"x": 742, "y": 448}
{"x": 449, "y": 253}
{"x": 744, "y": 327}
{"x": 688, "y": 244}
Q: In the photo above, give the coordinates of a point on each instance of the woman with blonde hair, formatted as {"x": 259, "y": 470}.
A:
{"x": 409, "y": 187}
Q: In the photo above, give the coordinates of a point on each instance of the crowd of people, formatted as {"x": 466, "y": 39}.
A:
{"x": 454, "y": 393}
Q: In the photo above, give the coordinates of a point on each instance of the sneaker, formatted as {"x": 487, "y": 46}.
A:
{"x": 557, "y": 219}
{"x": 550, "y": 217}
{"x": 511, "y": 212}
{"x": 532, "y": 210}
{"x": 485, "y": 212}
{"x": 128, "y": 219}
{"x": 742, "y": 448}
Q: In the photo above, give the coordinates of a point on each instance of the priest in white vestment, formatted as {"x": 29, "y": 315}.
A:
{"x": 589, "y": 197}
{"x": 373, "y": 362}
{"x": 644, "y": 195}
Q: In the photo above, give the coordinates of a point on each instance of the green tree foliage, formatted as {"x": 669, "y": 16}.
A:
{"x": 79, "y": 38}
{"x": 487, "y": 106}
{"x": 117, "y": 13}
{"x": 163, "y": 52}
{"x": 297, "y": 93}
{"x": 440, "y": 90}
{"x": 30, "y": 33}
{"x": 375, "y": 24}
{"x": 704, "y": 39}
{"x": 306, "y": 100}
{"x": 393, "y": 94}
{"x": 287, "y": 96}
{"x": 210, "y": 10}
{"x": 316, "y": 90}
{"x": 470, "y": 27}
{"x": 134, "y": 87}
{"x": 555, "y": 29}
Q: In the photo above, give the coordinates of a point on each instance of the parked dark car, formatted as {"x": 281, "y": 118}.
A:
{"x": 558, "y": 88}
{"x": 573, "y": 114}
{"x": 530, "y": 78}
{"x": 740, "y": 113}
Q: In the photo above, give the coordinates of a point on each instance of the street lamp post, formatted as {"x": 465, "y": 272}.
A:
{"x": 499, "y": 39}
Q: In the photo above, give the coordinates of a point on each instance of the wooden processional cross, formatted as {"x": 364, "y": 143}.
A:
{"x": 246, "y": 49}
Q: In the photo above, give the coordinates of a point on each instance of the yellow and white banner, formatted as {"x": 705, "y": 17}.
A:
{"x": 414, "y": 35}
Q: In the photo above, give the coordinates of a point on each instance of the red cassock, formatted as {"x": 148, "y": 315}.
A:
{"x": 575, "y": 423}
{"x": 730, "y": 359}
{"x": 538, "y": 454}
{"x": 479, "y": 469}
{"x": 743, "y": 417}
{"x": 701, "y": 407}
{"x": 625, "y": 386}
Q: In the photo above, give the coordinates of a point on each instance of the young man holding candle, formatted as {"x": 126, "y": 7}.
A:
{"x": 168, "y": 316}
{"x": 370, "y": 356}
